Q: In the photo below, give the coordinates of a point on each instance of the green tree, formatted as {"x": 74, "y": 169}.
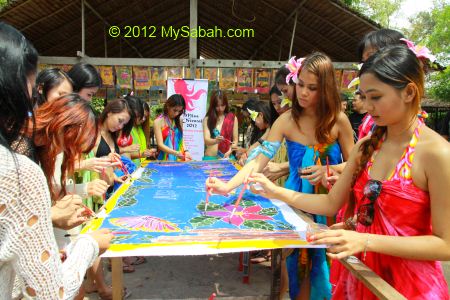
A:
{"x": 381, "y": 11}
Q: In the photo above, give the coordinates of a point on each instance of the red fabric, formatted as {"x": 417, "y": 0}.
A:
{"x": 365, "y": 127}
{"x": 400, "y": 210}
{"x": 227, "y": 132}
{"x": 124, "y": 141}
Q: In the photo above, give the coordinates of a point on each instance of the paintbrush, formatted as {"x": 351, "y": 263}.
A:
{"x": 328, "y": 174}
{"x": 236, "y": 204}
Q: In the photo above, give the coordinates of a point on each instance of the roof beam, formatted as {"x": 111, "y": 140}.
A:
{"x": 46, "y": 17}
{"x": 278, "y": 29}
{"x": 109, "y": 25}
{"x": 170, "y": 62}
{"x": 348, "y": 10}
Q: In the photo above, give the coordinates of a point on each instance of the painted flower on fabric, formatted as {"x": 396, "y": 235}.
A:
{"x": 240, "y": 215}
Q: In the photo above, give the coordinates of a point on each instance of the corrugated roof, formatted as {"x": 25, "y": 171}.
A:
{"x": 54, "y": 27}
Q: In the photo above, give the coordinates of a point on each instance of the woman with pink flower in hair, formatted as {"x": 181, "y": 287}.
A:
{"x": 316, "y": 131}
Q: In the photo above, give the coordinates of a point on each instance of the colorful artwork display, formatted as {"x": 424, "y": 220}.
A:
{"x": 107, "y": 75}
{"x": 124, "y": 77}
{"x": 347, "y": 77}
{"x": 163, "y": 212}
{"x": 141, "y": 78}
{"x": 227, "y": 78}
{"x": 159, "y": 77}
{"x": 262, "y": 81}
{"x": 244, "y": 80}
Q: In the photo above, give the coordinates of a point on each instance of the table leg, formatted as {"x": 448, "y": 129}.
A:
{"x": 276, "y": 274}
{"x": 117, "y": 277}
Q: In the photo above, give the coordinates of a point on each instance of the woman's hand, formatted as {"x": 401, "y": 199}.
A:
{"x": 150, "y": 152}
{"x": 96, "y": 164}
{"x": 216, "y": 186}
{"x": 330, "y": 180}
{"x": 269, "y": 189}
{"x": 187, "y": 156}
{"x": 273, "y": 171}
{"x": 343, "y": 243}
{"x": 97, "y": 187}
{"x": 243, "y": 159}
{"x": 103, "y": 238}
{"x": 115, "y": 157}
{"x": 132, "y": 148}
{"x": 314, "y": 174}
{"x": 68, "y": 212}
{"x": 219, "y": 139}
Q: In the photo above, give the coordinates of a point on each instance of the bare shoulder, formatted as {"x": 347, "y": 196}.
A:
{"x": 432, "y": 148}
{"x": 342, "y": 119}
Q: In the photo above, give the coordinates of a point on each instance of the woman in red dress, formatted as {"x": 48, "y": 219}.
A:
{"x": 398, "y": 180}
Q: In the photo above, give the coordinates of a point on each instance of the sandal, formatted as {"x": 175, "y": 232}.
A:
{"x": 108, "y": 295}
{"x": 139, "y": 260}
{"x": 126, "y": 268}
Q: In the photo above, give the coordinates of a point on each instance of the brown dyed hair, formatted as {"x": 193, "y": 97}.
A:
{"x": 329, "y": 103}
{"x": 66, "y": 125}
{"x": 212, "y": 113}
{"x": 396, "y": 66}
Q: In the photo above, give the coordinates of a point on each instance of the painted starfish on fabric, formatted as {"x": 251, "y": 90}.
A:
{"x": 240, "y": 215}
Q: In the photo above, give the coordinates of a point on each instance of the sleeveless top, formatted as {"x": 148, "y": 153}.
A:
{"x": 402, "y": 209}
{"x": 300, "y": 155}
{"x": 104, "y": 149}
{"x": 172, "y": 138}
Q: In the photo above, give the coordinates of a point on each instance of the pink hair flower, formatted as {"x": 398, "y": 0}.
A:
{"x": 419, "y": 51}
{"x": 293, "y": 66}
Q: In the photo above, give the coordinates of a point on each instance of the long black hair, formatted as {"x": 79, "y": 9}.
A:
{"x": 117, "y": 106}
{"x": 212, "y": 113}
{"x": 273, "y": 111}
{"x": 175, "y": 100}
{"x": 18, "y": 61}
{"x": 48, "y": 79}
{"x": 137, "y": 106}
{"x": 379, "y": 39}
{"x": 84, "y": 76}
{"x": 251, "y": 104}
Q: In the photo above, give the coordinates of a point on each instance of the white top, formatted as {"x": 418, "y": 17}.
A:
{"x": 26, "y": 233}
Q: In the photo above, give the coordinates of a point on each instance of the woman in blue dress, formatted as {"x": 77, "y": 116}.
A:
{"x": 315, "y": 130}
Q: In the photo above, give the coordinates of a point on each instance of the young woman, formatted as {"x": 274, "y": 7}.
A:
{"x": 30, "y": 254}
{"x": 52, "y": 84}
{"x": 168, "y": 129}
{"x": 398, "y": 204}
{"x": 314, "y": 129}
{"x": 135, "y": 145}
{"x": 220, "y": 128}
{"x": 86, "y": 80}
{"x": 262, "y": 117}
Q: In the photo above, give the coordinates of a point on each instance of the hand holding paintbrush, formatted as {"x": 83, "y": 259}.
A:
{"x": 236, "y": 204}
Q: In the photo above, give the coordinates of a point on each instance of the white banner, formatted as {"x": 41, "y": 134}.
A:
{"x": 195, "y": 94}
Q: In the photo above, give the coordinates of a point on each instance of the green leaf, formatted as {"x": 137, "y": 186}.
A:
{"x": 126, "y": 201}
{"x": 121, "y": 238}
{"x": 211, "y": 206}
{"x": 258, "y": 224}
{"x": 146, "y": 239}
{"x": 284, "y": 226}
{"x": 245, "y": 202}
{"x": 268, "y": 211}
{"x": 203, "y": 221}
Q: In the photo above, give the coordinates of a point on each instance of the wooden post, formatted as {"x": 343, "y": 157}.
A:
{"x": 276, "y": 274}
{"x": 193, "y": 40}
{"x": 117, "y": 277}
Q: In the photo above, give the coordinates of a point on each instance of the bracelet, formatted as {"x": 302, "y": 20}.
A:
{"x": 186, "y": 150}
{"x": 365, "y": 248}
